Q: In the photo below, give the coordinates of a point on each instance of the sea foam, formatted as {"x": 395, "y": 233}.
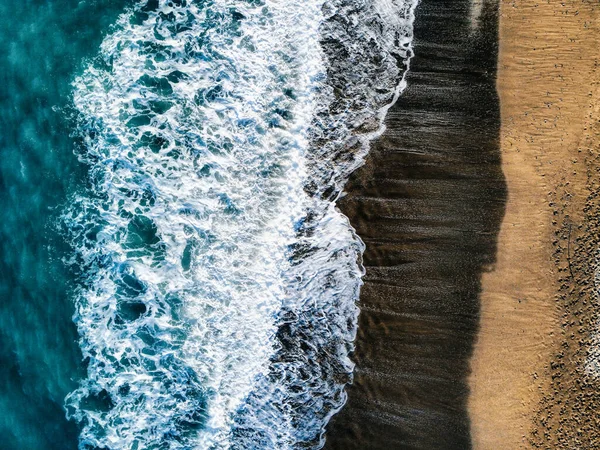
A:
{"x": 217, "y": 308}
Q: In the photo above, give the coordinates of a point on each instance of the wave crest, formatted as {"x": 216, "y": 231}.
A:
{"x": 219, "y": 283}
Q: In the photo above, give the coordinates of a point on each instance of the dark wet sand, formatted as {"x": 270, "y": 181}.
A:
{"x": 428, "y": 203}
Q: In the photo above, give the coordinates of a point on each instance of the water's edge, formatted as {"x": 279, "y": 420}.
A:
{"x": 218, "y": 282}
{"x": 428, "y": 204}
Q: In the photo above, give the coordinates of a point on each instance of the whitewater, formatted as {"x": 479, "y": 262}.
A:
{"x": 217, "y": 305}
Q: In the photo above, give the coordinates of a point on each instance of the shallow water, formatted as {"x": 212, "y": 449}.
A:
{"x": 173, "y": 264}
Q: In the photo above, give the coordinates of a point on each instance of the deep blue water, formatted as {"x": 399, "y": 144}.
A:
{"x": 42, "y": 45}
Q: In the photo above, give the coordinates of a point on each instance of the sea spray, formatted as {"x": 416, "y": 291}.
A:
{"x": 217, "y": 307}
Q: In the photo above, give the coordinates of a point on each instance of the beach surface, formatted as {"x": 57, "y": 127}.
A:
{"x": 479, "y": 208}
{"x": 428, "y": 203}
{"x": 530, "y": 386}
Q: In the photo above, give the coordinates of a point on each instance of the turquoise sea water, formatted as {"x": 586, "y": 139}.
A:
{"x": 43, "y": 44}
{"x": 185, "y": 281}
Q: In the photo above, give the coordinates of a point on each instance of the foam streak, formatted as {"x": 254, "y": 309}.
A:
{"x": 218, "y": 303}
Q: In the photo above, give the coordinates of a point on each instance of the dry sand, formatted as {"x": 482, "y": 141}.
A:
{"x": 528, "y": 382}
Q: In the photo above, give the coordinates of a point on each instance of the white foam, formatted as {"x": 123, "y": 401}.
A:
{"x": 218, "y": 309}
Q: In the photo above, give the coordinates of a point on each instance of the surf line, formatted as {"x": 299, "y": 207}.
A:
{"x": 217, "y": 306}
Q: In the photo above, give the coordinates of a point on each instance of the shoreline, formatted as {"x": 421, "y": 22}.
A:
{"x": 428, "y": 204}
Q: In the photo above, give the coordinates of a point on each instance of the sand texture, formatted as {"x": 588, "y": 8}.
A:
{"x": 428, "y": 203}
{"x": 529, "y": 383}
{"x": 480, "y": 211}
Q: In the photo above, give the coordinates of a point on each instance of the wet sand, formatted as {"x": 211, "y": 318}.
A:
{"x": 428, "y": 203}
{"x": 529, "y": 383}
{"x": 480, "y": 309}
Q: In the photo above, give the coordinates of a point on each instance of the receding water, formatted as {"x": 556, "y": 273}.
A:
{"x": 175, "y": 272}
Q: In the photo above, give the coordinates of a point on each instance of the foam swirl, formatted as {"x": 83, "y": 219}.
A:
{"x": 219, "y": 283}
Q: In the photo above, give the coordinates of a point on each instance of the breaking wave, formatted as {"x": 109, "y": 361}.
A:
{"x": 217, "y": 306}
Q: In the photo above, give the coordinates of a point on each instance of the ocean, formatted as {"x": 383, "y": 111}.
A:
{"x": 175, "y": 273}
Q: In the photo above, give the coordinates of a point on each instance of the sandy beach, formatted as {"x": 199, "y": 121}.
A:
{"x": 174, "y": 273}
{"x": 478, "y": 324}
{"x": 536, "y": 305}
